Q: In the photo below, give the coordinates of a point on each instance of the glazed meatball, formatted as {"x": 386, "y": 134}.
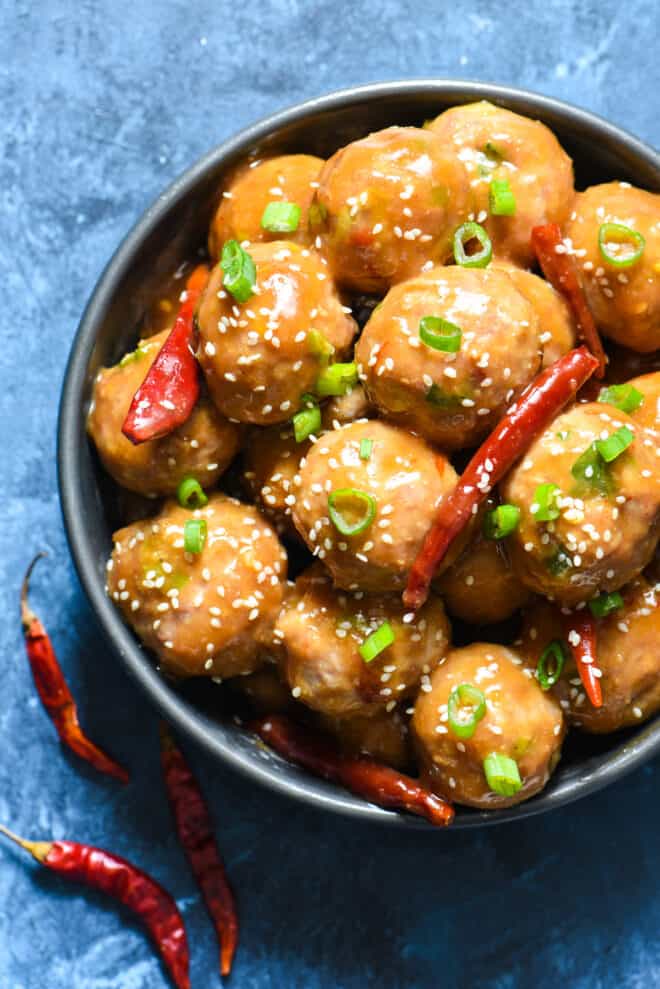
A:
{"x": 383, "y": 736}
{"x": 203, "y": 446}
{"x": 205, "y": 614}
{"x": 366, "y": 517}
{"x": 260, "y": 357}
{"x": 496, "y": 144}
{"x": 625, "y": 301}
{"x": 520, "y": 721}
{"x": 272, "y": 463}
{"x": 387, "y": 205}
{"x": 605, "y": 529}
{"x": 627, "y": 655}
{"x": 321, "y": 630}
{"x": 453, "y": 398}
{"x": 286, "y": 179}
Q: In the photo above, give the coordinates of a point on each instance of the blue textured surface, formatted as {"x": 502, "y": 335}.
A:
{"x": 103, "y": 104}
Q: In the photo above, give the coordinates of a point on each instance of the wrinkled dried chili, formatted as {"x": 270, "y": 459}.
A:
{"x": 195, "y": 831}
{"x": 541, "y": 401}
{"x": 54, "y": 691}
{"x": 581, "y": 635}
{"x": 369, "y": 779}
{"x": 168, "y": 394}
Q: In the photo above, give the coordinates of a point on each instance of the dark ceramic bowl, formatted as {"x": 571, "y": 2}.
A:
{"x": 170, "y": 231}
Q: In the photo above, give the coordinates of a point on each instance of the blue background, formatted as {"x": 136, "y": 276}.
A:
{"x": 103, "y": 103}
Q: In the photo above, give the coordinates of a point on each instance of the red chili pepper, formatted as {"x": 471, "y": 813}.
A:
{"x": 54, "y": 691}
{"x": 581, "y": 628}
{"x": 369, "y": 779}
{"x": 541, "y": 401}
{"x": 168, "y": 394}
{"x": 193, "y": 826}
{"x": 127, "y": 884}
{"x": 561, "y": 271}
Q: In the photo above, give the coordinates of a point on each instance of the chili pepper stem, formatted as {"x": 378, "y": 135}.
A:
{"x": 27, "y": 615}
{"x": 37, "y": 849}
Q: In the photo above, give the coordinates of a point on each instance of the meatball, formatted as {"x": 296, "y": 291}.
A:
{"x": 627, "y": 655}
{"x": 286, "y": 179}
{"x": 625, "y": 301}
{"x": 259, "y": 358}
{"x": 272, "y": 463}
{"x": 496, "y": 144}
{"x": 205, "y": 614}
{"x": 346, "y": 408}
{"x": 383, "y": 736}
{"x": 605, "y": 529}
{"x": 321, "y": 630}
{"x": 555, "y": 320}
{"x": 202, "y": 446}
{"x": 452, "y": 398}
{"x": 366, "y": 517}
{"x": 520, "y": 721}
{"x": 387, "y": 205}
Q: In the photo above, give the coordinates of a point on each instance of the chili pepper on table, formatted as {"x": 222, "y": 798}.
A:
{"x": 127, "y": 884}
{"x": 54, "y": 691}
{"x": 168, "y": 394}
{"x": 581, "y": 635}
{"x": 538, "y": 405}
{"x": 195, "y": 832}
{"x": 560, "y": 269}
{"x": 369, "y": 779}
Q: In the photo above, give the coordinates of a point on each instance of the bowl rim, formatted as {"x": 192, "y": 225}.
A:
{"x": 589, "y": 777}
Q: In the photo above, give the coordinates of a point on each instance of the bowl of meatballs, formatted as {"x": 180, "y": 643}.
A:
{"x": 359, "y": 453}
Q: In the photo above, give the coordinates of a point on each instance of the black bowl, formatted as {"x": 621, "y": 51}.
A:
{"x": 171, "y": 230}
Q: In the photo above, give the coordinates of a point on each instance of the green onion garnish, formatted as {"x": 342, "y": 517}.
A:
{"x": 501, "y": 522}
{"x": 620, "y": 246}
{"x": 240, "y": 273}
{"x": 465, "y": 709}
{"x": 374, "y": 644}
{"x": 281, "y": 218}
{"x": 351, "y": 511}
{"x": 551, "y": 664}
{"x": 190, "y": 493}
{"x": 337, "y": 379}
{"x": 502, "y": 774}
{"x": 545, "y": 507}
{"x": 306, "y": 422}
{"x": 501, "y": 199}
{"x": 465, "y": 233}
{"x": 591, "y": 470}
{"x": 605, "y": 603}
{"x": 440, "y": 334}
{"x": 366, "y": 446}
{"x": 625, "y": 398}
{"x": 194, "y": 535}
{"x": 614, "y": 445}
{"x": 319, "y": 346}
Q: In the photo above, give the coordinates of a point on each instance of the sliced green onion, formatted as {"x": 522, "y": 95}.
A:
{"x": 366, "y": 446}
{"x": 194, "y": 535}
{"x": 492, "y": 152}
{"x": 604, "y": 604}
{"x": 625, "y": 398}
{"x": 551, "y": 664}
{"x": 620, "y": 246}
{"x": 545, "y": 507}
{"x": 375, "y": 643}
{"x": 319, "y": 346}
{"x": 502, "y": 774}
{"x": 190, "y": 493}
{"x": 591, "y": 471}
{"x": 337, "y": 379}
{"x": 501, "y": 199}
{"x": 240, "y": 273}
{"x": 306, "y": 422}
{"x": 465, "y": 233}
{"x": 614, "y": 445}
{"x": 440, "y": 334}
{"x": 351, "y": 511}
{"x": 281, "y": 218}
{"x": 501, "y": 522}
{"x": 465, "y": 709}
{"x": 443, "y": 399}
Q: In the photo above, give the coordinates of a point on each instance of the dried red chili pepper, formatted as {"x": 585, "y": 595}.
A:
{"x": 369, "y": 779}
{"x": 541, "y": 401}
{"x": 581, "y": 635}
{"x": 193, "y": 826}
{"x": 560, "y": 269}
{"x": 54, "y": 691}
{"x": 168, "y": 394}
{"x": 128, "y": 885}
